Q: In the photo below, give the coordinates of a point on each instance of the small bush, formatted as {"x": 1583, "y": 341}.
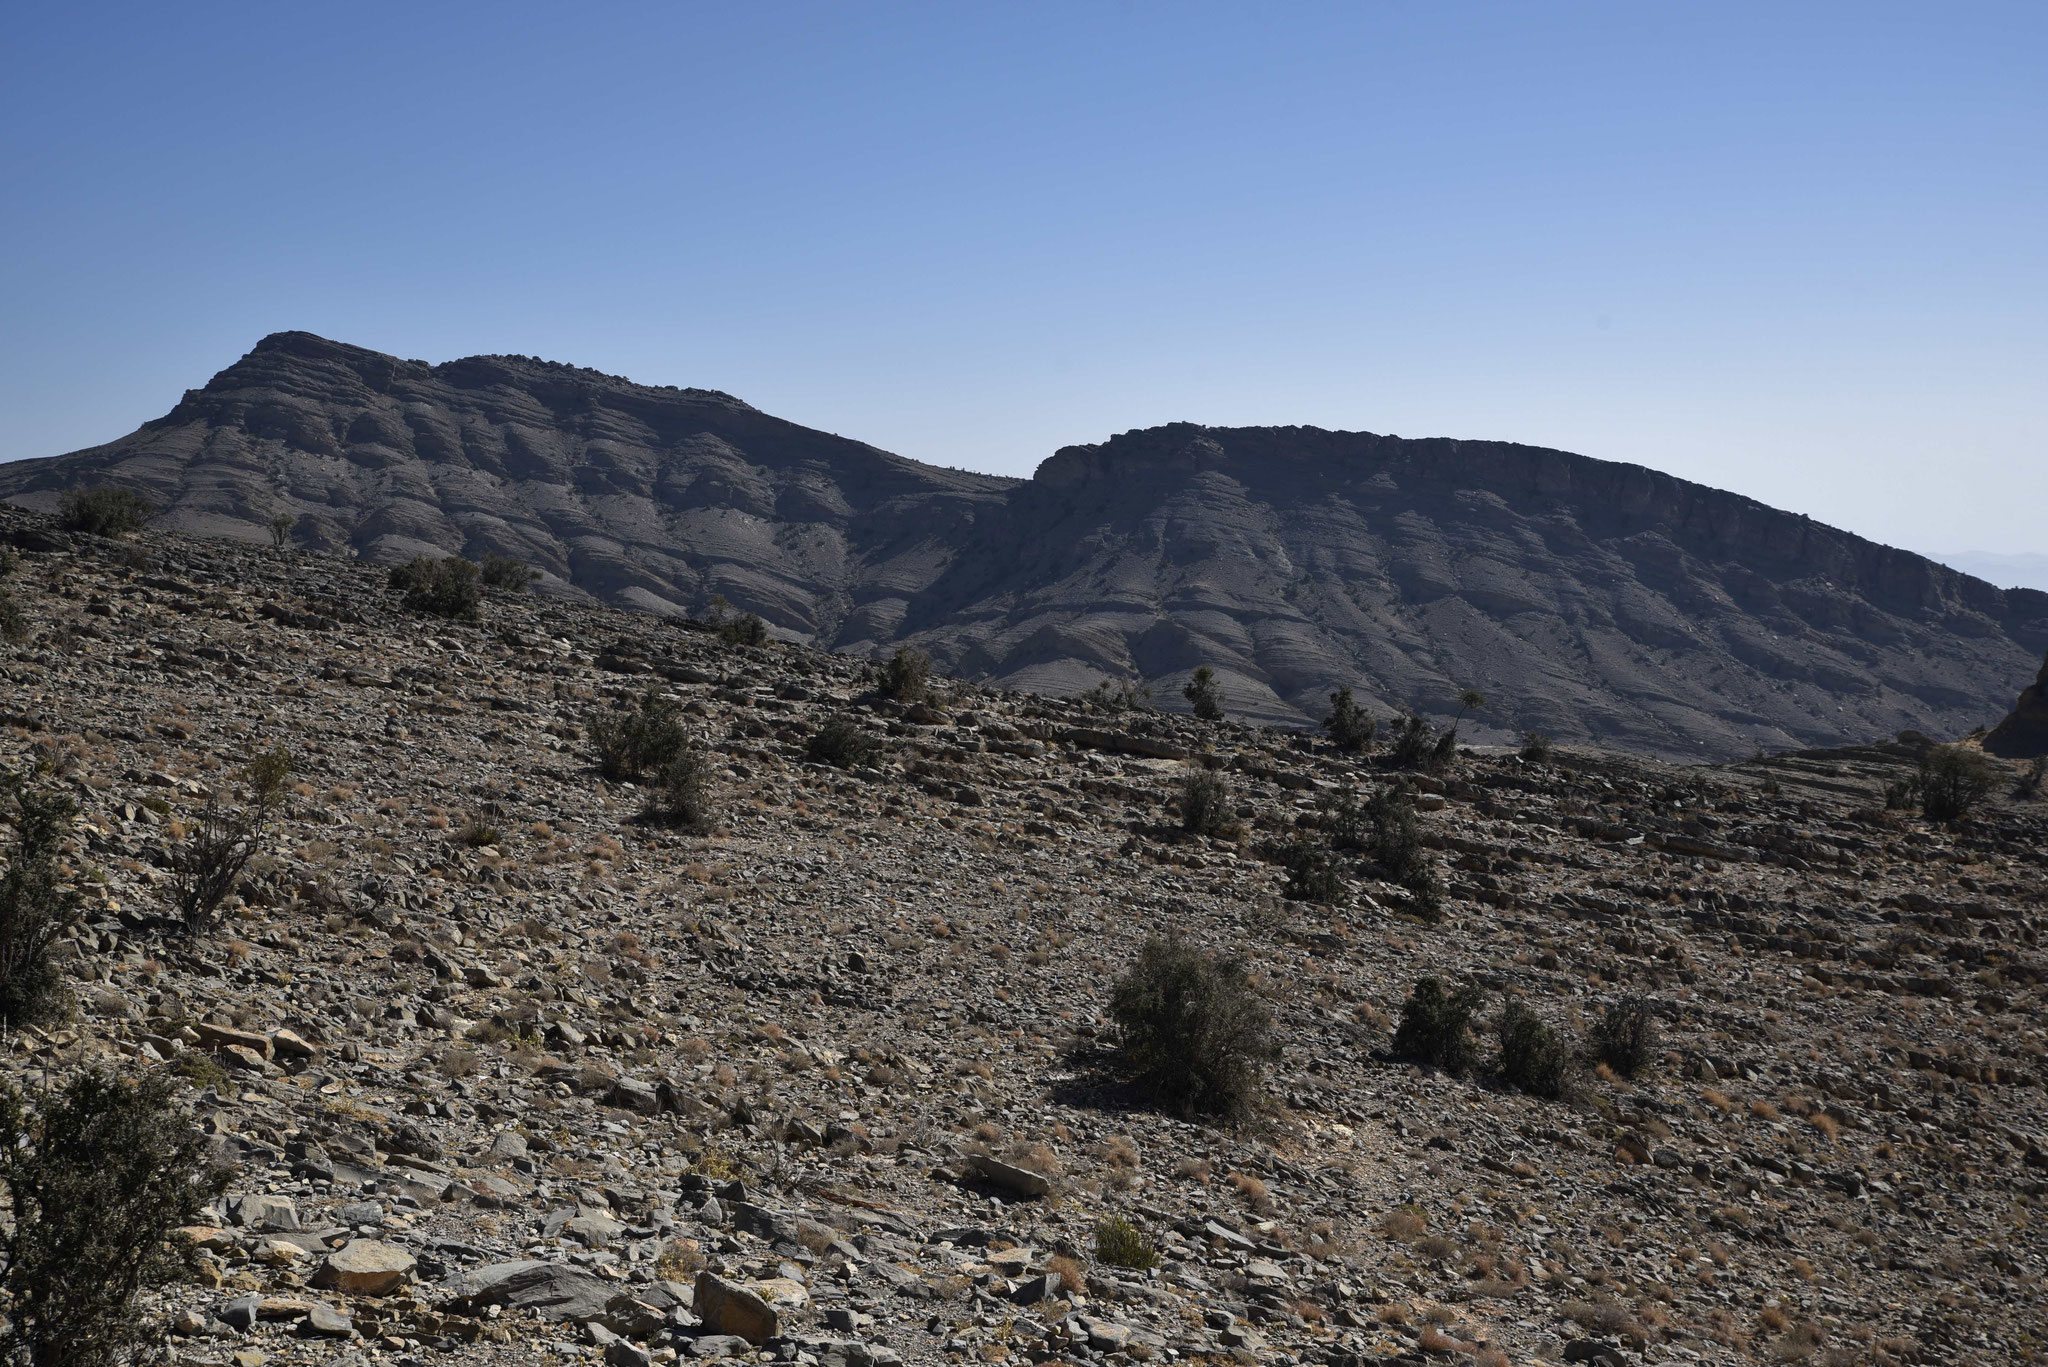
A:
{"x": 206, "y": 863}
{"x": 632, "y": 742}
{"x": 1205, "y": 804}
{"x": 1119, "y": 1243}
{"x": 1626, "y": 1037}
{"x": 106, "y": 512}
{"x": 737, "y": 629}
{"x": 1536, "y": 747}
{"x": 1425, "y": 889}
{"x": 908, "y": 675}
{"x": 1954, "y": 781}
{"x": 478, "y": 836}
{"x": 1190, "y": 1030}
{"x": 37, "y": 907}
{"x": 1313, "y": 873}
{"x": 280, "y": 528}
{"x": 448, "y": 588}
{"x": 842, "y": 743}
{"x": 1436, "y": 1025}
{"x": 1417, "y": 745}
{"x": 1203, "y": 695}
{"x": 504, "y": 572}
{"x": 219, "y": 845}
{"x": 1533, "y": 1057}
{"x": 1118, "y": 695}
{"x": 100, "y": 1178}
{"x": 680, "y": 797}
{"x": 1350, "y": 726}
{"x": 13, "y": 621}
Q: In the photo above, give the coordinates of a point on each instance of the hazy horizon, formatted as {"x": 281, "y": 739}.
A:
{"x": 1793, "y": 254}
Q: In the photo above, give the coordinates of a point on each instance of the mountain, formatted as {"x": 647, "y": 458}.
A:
{"x": 1588, "y": 599}
{"x": 2024, "y": 732}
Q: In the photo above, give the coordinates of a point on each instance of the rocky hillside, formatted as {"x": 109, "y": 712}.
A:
{"x": 509, "y": 1075}
{"x": 1589, "y": 600}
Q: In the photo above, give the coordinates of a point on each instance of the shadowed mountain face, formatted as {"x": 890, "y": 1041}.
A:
{"x": 2024, "y": 732}
{"x": 1588, "y": 599}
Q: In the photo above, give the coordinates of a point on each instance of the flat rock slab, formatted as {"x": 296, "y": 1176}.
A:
{"x": 554, "y": 1291}
{"x": 1021, "y": 1182}
{"x": 324, "y": 1321}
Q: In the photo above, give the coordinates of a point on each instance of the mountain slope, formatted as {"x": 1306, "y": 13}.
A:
{"x": 1589, "y": 599}
{"x": 657, "y": 498}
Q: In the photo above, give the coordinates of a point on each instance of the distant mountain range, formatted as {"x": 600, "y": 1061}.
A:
{"x": 1590, "y": 600}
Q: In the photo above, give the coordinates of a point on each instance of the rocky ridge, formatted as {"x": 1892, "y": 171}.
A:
{"x": 1591, "y": 600}
{"x": 511, "y": 1077}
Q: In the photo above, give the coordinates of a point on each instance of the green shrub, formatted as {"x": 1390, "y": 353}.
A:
{"x": 280, "y": 527}
{"x": 1190, "y": 1030}
{"x": 101, "y": 1175}
{"x": 1203, "y": 694}
{"x": 450, "y": 588}
{"x": 1342, "y": 818}
{"x": 266, "y": 773}
{"x": 13, "y": 621}
{"x": 503, "y": 572}
{"x": 1536, "y": 747}
{"x": 843, "y": 743}
{"x": 742, "y": 629}
{"x": 1350, "y": 726}
{"x": 478, "y": 836}
{"x": 632, "y": 742}
{"x": 1119, "y": 1243}
{"x": 106, "y": 512}
{"x": 1396, "y": 843}
{"x": 1425, "y": 889}
{"x": 199, "y": 1069}
{"x": 1626, "y": 1037}
{"x": 1313, "y": 873}
{"x": 1205, "y": 803}
{"x": 37, "y": 907}
{"x": 1954, "y": 781}
{"x": 1417, "y": 745}
{"x": 680, "y": 797}
{"x": 908, "y": 675}
{"x": 1533, "y": 1057}
{"x": 1436, "y": 1025}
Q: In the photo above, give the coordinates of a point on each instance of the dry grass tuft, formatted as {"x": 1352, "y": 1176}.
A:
{"x": 1072, "y": 1278}
{"x": 1405, "y": 1225}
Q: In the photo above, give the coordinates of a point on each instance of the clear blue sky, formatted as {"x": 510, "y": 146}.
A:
{"x": 1800, "y": 251}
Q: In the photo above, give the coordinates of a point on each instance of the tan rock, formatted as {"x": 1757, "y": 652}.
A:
{"x": 287, "y": 1044}
{"x": 366, "y": 1267}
